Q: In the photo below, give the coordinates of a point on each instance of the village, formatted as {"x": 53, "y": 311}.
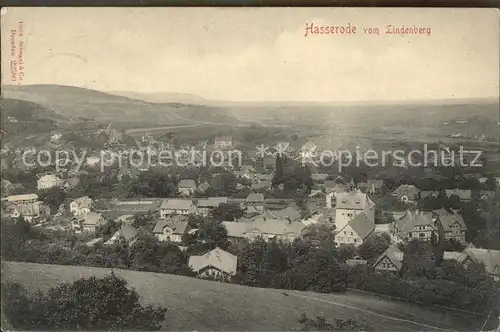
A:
{"x": 352, "y": 211}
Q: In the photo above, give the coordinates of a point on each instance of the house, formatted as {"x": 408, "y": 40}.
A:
{"x": 48, "y": 181}
{"x": 262, "y": 185}
{"x": 490, "y": 258}
{"x": 391, "y": 260}
{"x": 453, "y": 224}
{"x": 217, "y": 264}
{"x": 88, "y": 222}
{"x": 268, "y": 230}
{"x": 186, "y": 187}
{"x": 171, "y": 229}
{"x": 255, "y": 202}
{"x": 127, "y": 232}
{"x": 22, "y": 199}
{"x": 351, "y": 204}
{"x": 288, "y": 213}
{"x": 356, "y": 230}
{"x": 176, "y": 206}
{"x": 371, "y": 186}
{"x": 223, "y": 142}
{"x": 82, "y": 205}
{"x": 131, "y": 173}
{"x": 71, "y": 183}
{"x": 94, "y": 242}
{"x": 262, "y": 177}
{"x": 407, "y": 193}
{"x": 30, "y": 211}
{"x": 204, "y": 206}
{"x": 414, "y": 225}
{"x": 465, "y": 195}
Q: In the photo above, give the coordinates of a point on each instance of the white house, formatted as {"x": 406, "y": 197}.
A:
{"x": 351, "y": 204}
{"x": 82, "y": 205}
{"x": 217, "y": 264}
{"x": 171, "y": 229}
{"x": 204, "y": 206}
{"x": 186, "y": 187}
{"x": 268, "y": 230}
{"x": 414, "y": 225}
{"x": 48, "y": 181}
{"x": 391, "y": 260}
{"x": 176, "y": 206}
{"x": 223, "y": 142}
{"x": 356, "y": 231}
{"x": 88, "y": 222}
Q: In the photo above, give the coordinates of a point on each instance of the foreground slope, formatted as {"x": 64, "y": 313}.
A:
{"x": 201, "y": 305}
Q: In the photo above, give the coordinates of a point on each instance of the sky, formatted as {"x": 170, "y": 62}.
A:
{"x": 258, "y": 54}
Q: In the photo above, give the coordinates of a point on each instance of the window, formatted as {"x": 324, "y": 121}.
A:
{"x": 355, "y": 240}
{"x": 345, "y": 232}
{"x": 409, "y": 234}
{"x": 352, "y": 233}
{"x": 421, "y": 234}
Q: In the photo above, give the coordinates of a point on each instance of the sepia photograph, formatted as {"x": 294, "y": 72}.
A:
{"x": 250, "y": 169}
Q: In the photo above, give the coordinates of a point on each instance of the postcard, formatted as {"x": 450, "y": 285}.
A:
{"x": 250, "y": 169}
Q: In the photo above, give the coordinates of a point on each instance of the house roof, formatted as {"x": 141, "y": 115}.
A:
{"x": 177, "y": 224}
{"x": 128, "y": 232}
{"x": 453, "y": 255}
{"x": 261, "y": 185}
{"x": 412, "y": 219}
{"x": 204, "y": 186}
{"x": 187, "y": 183}
{"x": 211, "y": 202}
{"x": 93, "y": 241}
{"x": 448, "y": 219}
{"x": 268, "y": 226}
{"x": 319, "y": 176}
{"x": 255, "y": 197}
{"x": 92, "y": 218}
{"x": 463, "y": 194}
{"x": 177, "y": 204}
{"x": 377, "y": 184}
{"x": 407, "y": 189}
{"x": 362, "y": 225}
{"x": 25, "y": 197}
{"x": 287, "y": 213}
{"x": 393, "y": 254}
{"x": 48, "y": 177}
{"x": 353, "y": 201}
{"x": 490, "y": 258}
{"x": 217, "y": 258}
{"x": 84, "y": 201}
{"x": 27, "y": 210}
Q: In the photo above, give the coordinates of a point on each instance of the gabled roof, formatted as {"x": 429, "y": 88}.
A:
{"x": 361, "y": 224}
{"x": 490, "y": 259}
{"x": 92, "y": 218}
{"x": 128, "y": 232}
{"x": 268, "y": 226}
{"x": 428, "y": 193}
{"x": 204, "y": 186}
{"x": 412, "y": 219}
{"x": 48, "y": 177}
{"x": 255, "y": 197}
{"x": 177, "y": 204}
{"x": 353, "y": 201}
{"x": 287, "y": 213}
{"x": 407, "y": 189}
{"x": 453, "y": 255}
{"x": 191, "y": 184}
{"x": 177, "y": 224}
{"x": 394, "y": 255}
{"x": 217, "y": 258}
{"x": 449, "y": 218}
{"x": 211, "y": 202}
{"x": 84, "y": 201}
{"x": 25, "y": 197}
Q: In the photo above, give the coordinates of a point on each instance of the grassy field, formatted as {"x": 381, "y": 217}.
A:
{"x": 199, "y": 305}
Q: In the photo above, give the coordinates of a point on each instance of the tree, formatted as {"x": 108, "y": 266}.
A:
{"x": 226, "y": 212}
{"x": 321, "y": 324}
{"x": 86, "y": 304}
{"x": 374, "y": 246}
{"x": 215, "y": 234}
{"x": 53, "y": 197}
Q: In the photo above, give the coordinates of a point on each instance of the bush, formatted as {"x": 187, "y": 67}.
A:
{"x": 95, "y": 303}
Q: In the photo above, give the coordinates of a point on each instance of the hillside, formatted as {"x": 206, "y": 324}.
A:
{"x": 199, "y": 305}
{"x": 24, "y": 118}
{"x": 80, "y": 102}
